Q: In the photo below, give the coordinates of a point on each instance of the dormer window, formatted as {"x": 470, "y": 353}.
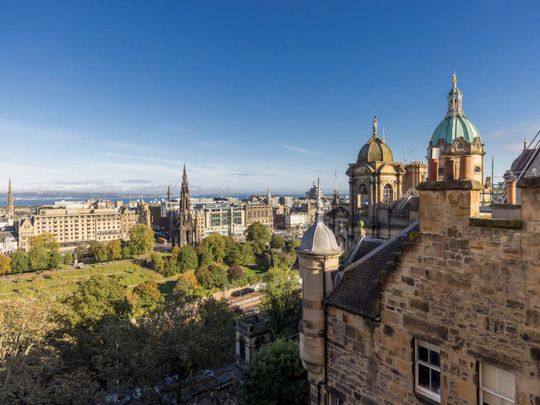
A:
{"x": 461, "y": 146}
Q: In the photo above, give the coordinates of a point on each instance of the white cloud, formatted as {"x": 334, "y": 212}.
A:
{"x": 301, "y": 150}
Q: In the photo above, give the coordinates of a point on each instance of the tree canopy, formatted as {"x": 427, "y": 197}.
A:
{"x": 141, "y": 240}
{"x": 275, "y": 376}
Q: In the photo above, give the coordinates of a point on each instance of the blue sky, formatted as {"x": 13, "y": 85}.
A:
{"x": 117, "y": 95}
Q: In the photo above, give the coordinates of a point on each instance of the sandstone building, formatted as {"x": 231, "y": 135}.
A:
{"x": 73, "y": 226}
{"x": 448, "y": 311}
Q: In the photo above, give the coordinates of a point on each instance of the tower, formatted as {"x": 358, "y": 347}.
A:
{"x": 186, "y": 227}
{"x": 318, "y": 258}
{"x": 168, "y": 193}
{"x": 456, "y": 151}
{"x": 10, "y": 209}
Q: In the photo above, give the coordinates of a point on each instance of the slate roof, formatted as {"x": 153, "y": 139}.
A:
{"x": 361, "y": 284}
{"x": 365, "y": 247}
{"x": 520, "y": 164}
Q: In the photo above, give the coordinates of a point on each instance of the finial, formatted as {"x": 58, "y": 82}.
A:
{"x": 454, "y": 80}
{"x": 525, "y": 144}
{"x": 375, "y": 126}
{"x": 319, "y": 204}
{"x": 383, "y": 135}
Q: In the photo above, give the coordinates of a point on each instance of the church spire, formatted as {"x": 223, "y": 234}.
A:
{"x": 455, "y": 99}
{"x": 10, "y": 208}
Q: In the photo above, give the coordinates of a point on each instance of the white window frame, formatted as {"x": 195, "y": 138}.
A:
{"x": 421, "y": 390}
{"x": 489, "y": 390}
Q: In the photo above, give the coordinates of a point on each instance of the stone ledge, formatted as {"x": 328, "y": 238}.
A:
{"x": 506, "y": 206}
{"x": 496, "y": 223}
{"x": 529, "y": 182}
{"x": 449, "y": 185}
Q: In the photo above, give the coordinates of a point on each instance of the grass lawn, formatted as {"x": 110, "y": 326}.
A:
{"x": 129, "y": 271}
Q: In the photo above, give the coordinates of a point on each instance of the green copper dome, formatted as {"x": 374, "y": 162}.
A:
{"x": 454, "y": 127}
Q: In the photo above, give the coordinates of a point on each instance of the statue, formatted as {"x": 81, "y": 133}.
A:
{"x": 454, "y": 79}
{"x": 375, "y": 126}
{"x": 361, "y": 230}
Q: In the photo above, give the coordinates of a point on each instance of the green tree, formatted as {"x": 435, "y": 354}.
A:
{"x": 20, "y": 262}
{"x": 277, "y": 242}
{"x": 281, "y": 302}
{"x": 187, "y": 284}
{"x": 247, "y": 256}
{"x": 55, "y": 259}
{"x": 145, "y": 298}
{"x": 259, "y": 236}
{"x": 187, "y": 259}
{"x": 171, "y": 268}
{"x": 99, "y": 252}
{"x": 206, "y": 257}
{"x": 114, "y": 248}
{"x": 67, "y": 258}
{"x": 156, "y": 262}
{"x": 293, "y": 244}
{"x": 215, "y": 243}
{"x": 43, "y": 251}
{"x": 275, "y": 376}
{"x": 219, "y": 276}
{"x": 5, "y": 266}
{"x": 96, "y": 298}
{"x": 141, "y": 239}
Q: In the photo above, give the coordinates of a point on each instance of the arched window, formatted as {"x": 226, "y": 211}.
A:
{"x": 364, "y": 197}
{"x": 387, "y": 194}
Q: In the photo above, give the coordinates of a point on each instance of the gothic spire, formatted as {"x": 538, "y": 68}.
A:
{"x": 10, "y": 208}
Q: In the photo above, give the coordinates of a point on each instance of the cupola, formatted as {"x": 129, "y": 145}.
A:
{"x": 375, "y": 150}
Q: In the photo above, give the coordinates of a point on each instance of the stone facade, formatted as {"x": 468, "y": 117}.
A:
{"x": 469, "y": 287}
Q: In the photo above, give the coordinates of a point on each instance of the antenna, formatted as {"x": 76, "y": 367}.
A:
{"x": 405, "y": 155}
{"x": 336, "y": 178}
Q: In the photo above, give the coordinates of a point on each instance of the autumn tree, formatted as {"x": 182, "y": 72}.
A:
{"x": 156, "y": 262}
{"x": 145, "y": 298}
{"x": 5, "y": 267}
{"x": 114, "y": 248}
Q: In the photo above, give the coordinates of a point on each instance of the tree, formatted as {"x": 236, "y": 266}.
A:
{"x": 20, "y": 262}
{"x": 275, "y": 376}
{"x": 235, "y": 273}
{"x": 215, "y": 243}
{"x": 206, "y": 257}
{"x": 55, "y": 259}
{"x": 281, "y": 302}
{"x": 97, "y": 298}
{"x": 247, "y": 256}
{"x": 171, "y": 268}
{"x": 175, "y": 252}
{"x": 145, "y": 298}
{"x": 156, "y": 262}
{"x": 277, "y": 242}
{"x": 187, "y": 284}
{"x": 219, "y": 275}
{"x": 67, "y": 259}
{"x": 259, "y": 236}
{"x": 187, "y": 259}
{"x": 99, "y": 252}
{"x": 204, "y": 277}
{"x": 114, "y": 248}
{"x": 141, "y": 239}
{"x": 293, "y": 244}
{"x": 5, "y": 267}
{"x": 44, "y": 252}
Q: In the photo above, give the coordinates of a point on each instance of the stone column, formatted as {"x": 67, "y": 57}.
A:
{"x": 511, "y": 192}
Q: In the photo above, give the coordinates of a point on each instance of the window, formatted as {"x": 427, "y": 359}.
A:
{"x": 387, "y": 194}
{"x": 497, "y": 387}
{"x": 336, "y": 399}
{"x": 427, "y": 370}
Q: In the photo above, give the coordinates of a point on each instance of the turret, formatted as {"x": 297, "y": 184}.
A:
{"x": 318, "y": 258}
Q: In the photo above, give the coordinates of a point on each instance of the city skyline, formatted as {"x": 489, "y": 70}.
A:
{"x": 250, "y": 98}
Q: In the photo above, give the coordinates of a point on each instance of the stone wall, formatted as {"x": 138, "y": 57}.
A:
{"x": 471, "y": 290}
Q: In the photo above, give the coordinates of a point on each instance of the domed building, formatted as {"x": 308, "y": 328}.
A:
{"x": 377, "y": 185}
{"x": 456, "y": 151}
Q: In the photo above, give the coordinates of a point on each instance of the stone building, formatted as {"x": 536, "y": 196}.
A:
{"x": 260, "y": 212}
{"x": 382, "y": 194}
{"x": 73, "y": 226}
{"x": 448, "y": 311}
